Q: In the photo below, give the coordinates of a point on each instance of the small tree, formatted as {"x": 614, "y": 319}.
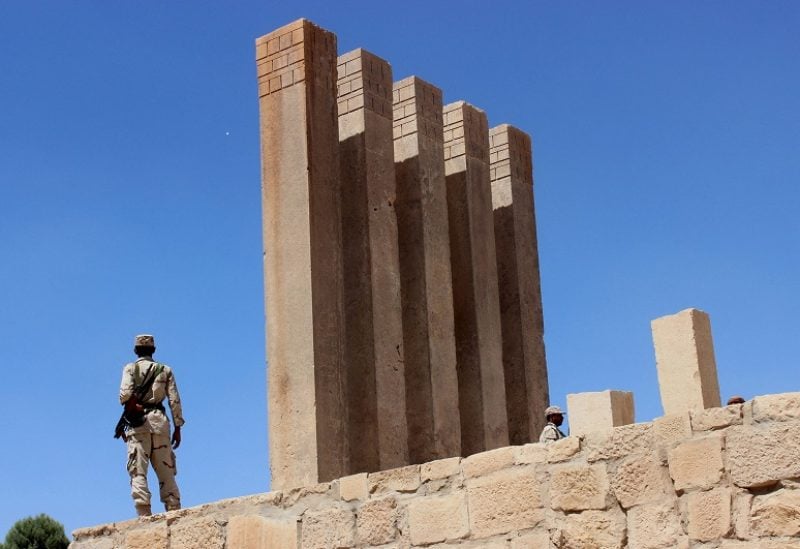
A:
{"x": 39, "y": 532}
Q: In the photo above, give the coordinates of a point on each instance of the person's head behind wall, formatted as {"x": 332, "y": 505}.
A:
{"x": 554, "y": 415}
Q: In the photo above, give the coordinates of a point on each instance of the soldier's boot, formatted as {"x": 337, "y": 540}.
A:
{"x": 143, "y": 510}
{"x": 172, "y": 506}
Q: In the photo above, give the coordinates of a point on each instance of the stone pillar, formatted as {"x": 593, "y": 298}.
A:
{"x": 479, "y": 344}
{"x": 524, "y": 362}
{"x": 687, "y": 370}
{"x": 373, "y": 319}
{"x": 434, "y": 430}
{"x": 588, "y": 412}
{"x": 302, "y": 254}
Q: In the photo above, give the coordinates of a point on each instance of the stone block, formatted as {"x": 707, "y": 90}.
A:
{"x": 476, "y": 303}
{"x": 579, "y": 487}
{"x": 202, "y": 533}
{"x": 564, "y": 449}
{"x": 687, "y": 369}
{"x": 671, "y": 429}
{"x": 640, "y": 479}
{"x": 328, "y": 528}
{"x": 440, "y": 469}
{"x": 376, "y": 521}
{"x": 742, "y": 503}
{"x": 531, "y": 453}
{"x": 505, "y": 501}
{"x": 484, "y": 463}
{"x": 402, "y": 479}
{"x": 354, "y": 487}
{"x": 713, "y": 419}
{"x": 654, "y": 525}
{"x": 599, "y": 411}
{"x": 524, "y": 360}
{"x": 619, "y": 442}
{"x": 783, "y": 407}
{"x": 759, "y": 544}
{"x": 539, "y": 539}
{"x": 776, "y": 514}
{"x": 697, "y": 463}
{"x": 256, "y": 532}
{"x": 151, "y": 537}
{"x": 437, "y": 519}
{"x": 709, "y": 514}
{"x": 764, "y": 454}
{"x": 426, "y": 281}
{"x": 591, "y": 530}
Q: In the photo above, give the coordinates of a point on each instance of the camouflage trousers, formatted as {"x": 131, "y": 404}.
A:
{"x": 155, "y": 448}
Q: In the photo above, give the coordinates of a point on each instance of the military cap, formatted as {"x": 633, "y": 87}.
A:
{"x": 550, "y": 410}
{"x": 144, "y": 340}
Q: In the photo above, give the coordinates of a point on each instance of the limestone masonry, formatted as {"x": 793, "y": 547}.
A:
{"x": 406, "y": 360}
{"x": 720, "y": 478}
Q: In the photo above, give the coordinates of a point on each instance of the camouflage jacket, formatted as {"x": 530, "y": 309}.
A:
{"x": 163, "y": 387}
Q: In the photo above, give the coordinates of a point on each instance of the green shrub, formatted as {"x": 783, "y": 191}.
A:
{"x": 39, "y": 532}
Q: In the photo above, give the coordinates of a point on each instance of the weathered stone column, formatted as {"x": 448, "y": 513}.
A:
{"x": 378, "y": 437}
{"x": 302, "y": 254}
{"x": 524, "y": 361}
{"x": 687, "y": 370}
{"x": 479, "y": 344}
{"x": 587, "y": 412}
{"x": 434, "y": 430}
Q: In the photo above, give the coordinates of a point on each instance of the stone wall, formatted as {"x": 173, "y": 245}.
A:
{"x": 719, "y": 478}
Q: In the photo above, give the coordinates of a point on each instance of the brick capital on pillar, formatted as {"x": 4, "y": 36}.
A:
{"x": 479, "y": 344}
{"x": 524, "y": 362}
{"x": 599, "y": 411}
{"x": 687, "y": 369}
{"x": 302, "y": 253}
{"x": 432, "y": 409}
{"x": 376, "y": 396}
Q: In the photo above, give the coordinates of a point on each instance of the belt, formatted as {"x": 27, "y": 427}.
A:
{"x": 151, "y": 407}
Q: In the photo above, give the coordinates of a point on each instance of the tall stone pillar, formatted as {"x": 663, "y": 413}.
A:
{"x": 600, "y": 411}
{"x": 479, "y": 345}
{"x": 524, "y": 361}
{"x": 378, "y": 437}
{"x": 687, "y": 370}
{"x": 302, "y": 254}
{"x": 434, "y": 430}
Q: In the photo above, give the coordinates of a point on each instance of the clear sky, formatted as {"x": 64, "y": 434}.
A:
{"x": 667, "y": 153}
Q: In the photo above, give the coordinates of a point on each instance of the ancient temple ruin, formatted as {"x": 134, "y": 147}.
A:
{"x": 407, "y": 368}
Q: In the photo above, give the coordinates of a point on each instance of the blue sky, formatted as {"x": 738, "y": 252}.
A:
{"x": 666, "y": 144}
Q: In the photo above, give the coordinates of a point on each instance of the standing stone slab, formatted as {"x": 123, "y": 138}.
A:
{"x": 599, "y": 411}
{"x": 524, "y": 361}
{"x": 479, "y": 343}
{"x": 373, "y": 315}
{"x": 434, "y": 430}
{"x": 302, "y": 253}
{"x": 687, "y": 370}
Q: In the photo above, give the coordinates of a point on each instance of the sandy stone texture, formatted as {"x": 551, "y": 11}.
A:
{"x": 619, "y": 442}
{"x": 599, "y": 411}
{"x": 640, "y": 479}
{"x": 402, "y": 479}
{"x": 328, "y": 528}
{"x": 505, "y": 501}
{"x": 376, "y": 521}
{"x": 776, "y": 514}
{"x": 440, "y": 469}
{"x": 539, "y": 539}
{"x": 717, "y": 418}
{"x": 591, "y": 530}
{"x": 672, "y": 429}
{"x": 153, "y": 537}
{"x": 255, "y": 532}
{"x": 531, "y": 453}
{"x": 203, "y": 533}
{"x": 436, "y": 519}
{"x": 709, "y": 514}
{"x": 354, "y": 487}
{"x": 764, "y": 454}
{"x": 783, "y": 407}
{"x": 564, "y": 449}
{"x": 654, "y": 525}
{"x": 579, "y": 487}
{"x": 488, "y": 462}
{"x": 697, "y": 463}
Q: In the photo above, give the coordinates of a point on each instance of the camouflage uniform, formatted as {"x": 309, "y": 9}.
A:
{"x": 150, "y": 442}
{"x": 551, "y": 431}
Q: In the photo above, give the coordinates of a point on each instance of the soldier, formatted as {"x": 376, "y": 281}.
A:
{"x": 150, "y": 441}
{"x": 551, "y": 431}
